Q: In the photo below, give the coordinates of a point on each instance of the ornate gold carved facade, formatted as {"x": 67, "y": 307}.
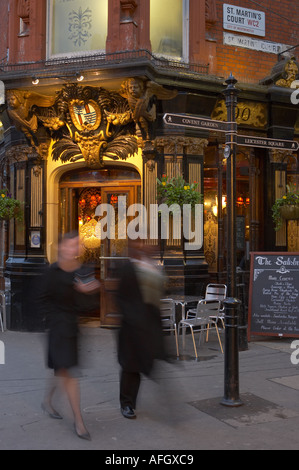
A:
{"x": 247, "y": 113}
{"x": 279, "y": 156}
{"x": 181, "y": 145}
{"x": 289, "y": 74}
{"x": 88, "y": 122}
{"x": 142, "y": 95}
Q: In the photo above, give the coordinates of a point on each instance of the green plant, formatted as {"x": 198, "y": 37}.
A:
{"x": 177, "y": 191}
{"x": 9, "y": 207}
{"x": 291, "y": 198}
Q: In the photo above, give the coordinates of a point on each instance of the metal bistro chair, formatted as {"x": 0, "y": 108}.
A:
{"x": 217, "y": 292}
{"x": 204, "y": 317}
{"x": 167, "y": 311}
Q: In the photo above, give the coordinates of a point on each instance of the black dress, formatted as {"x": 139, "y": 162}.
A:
{"x": 61, "y": 304}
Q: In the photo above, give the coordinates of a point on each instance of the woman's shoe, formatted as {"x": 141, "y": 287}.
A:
{"x": 86, "y": 436}
{"x": 51, "y": 412}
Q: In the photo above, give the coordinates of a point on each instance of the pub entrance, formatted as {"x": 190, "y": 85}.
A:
{"x": 81, "y": 192}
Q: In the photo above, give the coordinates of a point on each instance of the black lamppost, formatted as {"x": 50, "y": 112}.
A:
{"x": 231, "y": 385}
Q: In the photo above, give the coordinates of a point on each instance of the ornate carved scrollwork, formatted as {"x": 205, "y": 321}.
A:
{"x": 279, "y": 156}
{"x": 22, "y": 153}
{"x": 179, "y": 145}
{"x": 248, "y": 113}
{"x": 82, "y": 122}
{"x": 89, "y": 122}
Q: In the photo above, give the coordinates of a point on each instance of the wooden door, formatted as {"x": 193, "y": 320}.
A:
{"x": 114, "y": 253}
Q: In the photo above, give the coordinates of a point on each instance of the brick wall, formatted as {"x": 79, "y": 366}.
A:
{"x": 22, "y": 45}
{"x": 247, "y": 65}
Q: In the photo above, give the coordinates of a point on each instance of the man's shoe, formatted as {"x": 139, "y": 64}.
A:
{"x": 128, "y": 412}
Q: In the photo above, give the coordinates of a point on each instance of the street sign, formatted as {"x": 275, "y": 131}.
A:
{"x": 251, "y": 141}
{"x": 185, "y": 120}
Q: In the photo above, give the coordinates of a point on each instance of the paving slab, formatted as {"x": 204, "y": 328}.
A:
{"x": 178, "y": 408}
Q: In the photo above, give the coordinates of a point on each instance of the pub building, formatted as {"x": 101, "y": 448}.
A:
{"x": 86, "y": 89}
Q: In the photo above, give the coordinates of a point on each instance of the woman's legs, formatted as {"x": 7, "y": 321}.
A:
{"x": 47, "y": 401}
{"x": 72, "y": 390}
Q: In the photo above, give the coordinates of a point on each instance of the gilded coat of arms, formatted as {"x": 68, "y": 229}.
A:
{"x": 89, "y": 122}
{"x": 83, "y": 122}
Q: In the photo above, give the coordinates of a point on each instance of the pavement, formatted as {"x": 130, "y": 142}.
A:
{"x": 178, "y": 410}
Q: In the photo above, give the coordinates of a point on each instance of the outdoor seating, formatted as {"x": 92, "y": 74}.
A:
{"x": 168, "y": 319}
{"x": 203, "y": 318}
{"x": 217, "y": 292}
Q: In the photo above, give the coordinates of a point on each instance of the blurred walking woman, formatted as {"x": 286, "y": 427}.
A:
{"x": 62, "y": 297}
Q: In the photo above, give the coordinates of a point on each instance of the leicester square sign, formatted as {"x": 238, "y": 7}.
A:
{"x": 244, "y": 20}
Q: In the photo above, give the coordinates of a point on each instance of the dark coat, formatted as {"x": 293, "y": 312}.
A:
{"x": 60, "y": 303}
{"x": 140, "y": 339}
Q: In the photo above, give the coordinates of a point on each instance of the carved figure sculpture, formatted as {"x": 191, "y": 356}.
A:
{"x": 20, "y": 111}
{"x": 290, "y": 74}
{"x": 142, "y": 95}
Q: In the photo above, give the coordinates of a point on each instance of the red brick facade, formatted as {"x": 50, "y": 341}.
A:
{"x": 205, "y": 33}
{"x": 23, "y": 38}
{"x": 282, "y": 26}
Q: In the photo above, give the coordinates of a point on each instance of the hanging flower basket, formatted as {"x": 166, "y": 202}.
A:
{"x": 10, "y": 208}
{"x": 177, "y": 191}
{"x": 290, "y": 212}
{"x": 286, "y": 207}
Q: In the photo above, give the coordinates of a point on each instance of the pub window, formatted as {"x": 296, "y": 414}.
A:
{"x": 76, "y": 27}
{"x": 169, "y": 31}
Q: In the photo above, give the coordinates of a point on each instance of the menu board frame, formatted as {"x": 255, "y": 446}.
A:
{"x": 256, "y": 289}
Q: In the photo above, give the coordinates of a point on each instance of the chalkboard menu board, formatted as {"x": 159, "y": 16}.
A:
{"x": 274, "y": 295}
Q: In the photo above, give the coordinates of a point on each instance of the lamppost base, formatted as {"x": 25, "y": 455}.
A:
{"x": 231, "y": 403}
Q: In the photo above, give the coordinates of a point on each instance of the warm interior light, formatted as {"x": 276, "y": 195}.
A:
{"x": 35, "y": 81}
{"x": 79, "y": 77}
